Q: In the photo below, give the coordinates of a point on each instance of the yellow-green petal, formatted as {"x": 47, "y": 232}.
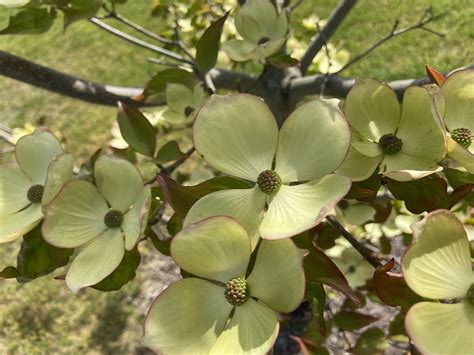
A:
{"x": 267, "y": 49}
{"x": 313, "y": 141}
{"x": 216, "y": 248}
{"x": 462, "y": 156}
{"x": 438, "y": 264}
{"x": 97, "y": 260}
{"x": 365, "y": 146}
{"x": 187, "y": 318}
{"x": 13, "y": 226}
{"x": 277, "y": 278}
{"x": 174, "y": 117}
{"x": 421, "y": 133}
{"x": 14, "y": 187}
{"x": 440, "y": 329}
{"x": 59, "y": 172}
{"x": 244, "y": 205}
{"x": 459, "y": 92}
{"x": 119, "y": 181}
{"x": 134, "y": 221}
{"x": 236, "y": 134}
{"x": 34, "y": 152}
{"x": 404, "y": 167}
{"x": 357, "y": 166}
{"x": 239, "y": 50}
{"x": 295, "y": 209}
{"x": 75, "y": 216}
{"x": 253, "y": 329}
{"x": 372, "y": 109}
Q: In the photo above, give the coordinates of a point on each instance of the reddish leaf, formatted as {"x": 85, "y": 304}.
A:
{"x": 365, "y": 190}
{"x": 428, "y": 194}
{"x": 435, "y": 76}
{"x": 320, "y": 268}
{"x": 308, "y": 347}
{"x": 392, "y": 289}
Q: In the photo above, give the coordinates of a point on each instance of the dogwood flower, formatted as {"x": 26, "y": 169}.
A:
{"x": 263, "y": 31}
{"x": 457, "y": 111}
{"x": 222, "y": 310}
{"x": 103, "y": 220}
{"x": 407, "y": 142}
{"x": 438, "y": 267}
{"x": 41, "y": 172}
{"x": 182, "y": 102}
{"x": 238, "y": 135}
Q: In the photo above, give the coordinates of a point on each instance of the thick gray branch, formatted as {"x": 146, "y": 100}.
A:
{"x": 23, "y": 70}
{"x": 326, "y": 33}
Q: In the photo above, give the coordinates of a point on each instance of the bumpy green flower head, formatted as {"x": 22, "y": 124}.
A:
{"x": 406, "y": 142}
{"x": 438, "y": 267}
{"x": 182, "y": 102}
{"x": 208, "y": 313}
{"x": 42, "y": 170}
{"x": 263, "y": 31}
{"x": 457, "y": 112}
{"x": 238, "y": 135}
{"x": 80, "y": 216}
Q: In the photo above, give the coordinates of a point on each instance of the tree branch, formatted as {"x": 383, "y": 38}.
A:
{"x": 139, "y": 42}
{"x": 23, "y": 70}
{"x": 426, "y": 18}
{"x": 359, "y": 247}
{"x": 336, "y": 18}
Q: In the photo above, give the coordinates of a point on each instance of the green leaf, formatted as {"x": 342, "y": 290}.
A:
{"x": 169, "y": 152}
{"x": 392, "y": 289}
{"x": 324, "y": 235}
{"x": 282, "y": 61}
{"x": 75, "y": 10}
{"x": 174, "y": 225}
{"x": 428, "y": 194}
{"x": 181, "y": 198}
{"x": 123, "y": 274}
{"x": 38, "y": 258}
{"x": 208, "y": 45}
{"x": 163, "y": 246}
{"x": 30, "y": 21}
{"x": 371, "y": 342}
{"x": 156, "y": 87}
{"x": 316, "y": 295}
{"x": 136, "y": 130}
{"x": 10, "y": 272}
{"x": 350, "y": 320}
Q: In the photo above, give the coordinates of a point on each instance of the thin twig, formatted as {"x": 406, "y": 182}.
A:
{"x": 336, "y": 18}
{"x": 139, "y": 42}
{"x": 359, "y": 247}
{"x": 426, "y": 18}
{"x": 163, "y": 62}
{"x": 169, "y": 169}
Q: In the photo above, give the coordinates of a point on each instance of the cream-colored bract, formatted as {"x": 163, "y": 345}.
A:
{"x": 192, "y": 315}
{"x": 372, "y": 110}
{"x": 238, "y": 135}
{"x": 438, "y": 266}
{"x": 75, "y": 218}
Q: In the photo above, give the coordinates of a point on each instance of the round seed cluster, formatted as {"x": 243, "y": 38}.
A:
{"x": 462, "y": 136}
{"x": 113, "y": 219}
{"x": 188, "y": 111}
{"x": 35, "y": 193}
{"x": 390, "y": 144}
{"x": 236, "y": 291}
{"x": 269, "y": 181}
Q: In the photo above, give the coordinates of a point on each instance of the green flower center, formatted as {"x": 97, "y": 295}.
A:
{"x": 35, "y": 193}
{"x": 269, "y": 181}
{"x": 113, "y": 219}
{"x": 462, "y": 136}
{"x": 470, "y": 295}
{"x": 263, "y": 40}
{"x": 390, "y": 144}
{"x": 188, "y": 111}
{"x": 236, "y": 291}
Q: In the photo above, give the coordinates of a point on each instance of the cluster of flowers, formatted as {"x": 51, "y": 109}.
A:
{"x": 301, "y": 172}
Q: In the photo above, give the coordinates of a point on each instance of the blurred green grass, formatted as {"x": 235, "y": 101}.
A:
{"x": 42, "y": 316}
